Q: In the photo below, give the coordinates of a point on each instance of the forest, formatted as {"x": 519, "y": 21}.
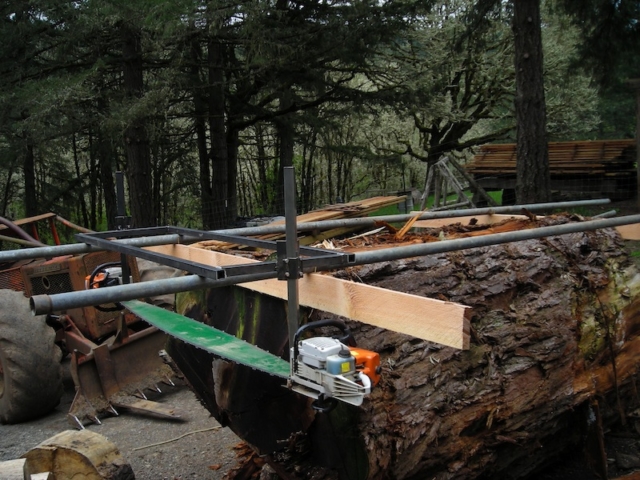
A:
{"x": 203, "y": 102}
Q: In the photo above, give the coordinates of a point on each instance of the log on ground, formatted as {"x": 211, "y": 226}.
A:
{"x": 548, "y": 317}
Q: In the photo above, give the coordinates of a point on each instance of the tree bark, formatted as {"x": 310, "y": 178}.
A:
{"x": 219, "y": 214}
{"x": 548, "y": 317}
{"x": 29, "y": 173}
{"x": 106, "y": 163}
{"x": 200, "y": 124}
{"x": 136, "y": 141}
{"x": 286, "y": 137}
{"x": 532, "y": 169}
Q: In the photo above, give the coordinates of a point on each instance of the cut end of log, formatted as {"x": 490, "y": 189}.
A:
{"x": 79, "y": 454}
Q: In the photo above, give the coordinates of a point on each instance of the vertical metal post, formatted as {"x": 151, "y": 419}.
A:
{"x": 122, "y": 223}
{"x": 292, "y": 252}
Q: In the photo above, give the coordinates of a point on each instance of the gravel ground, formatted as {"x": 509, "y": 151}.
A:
{"x": 194, "y": 448}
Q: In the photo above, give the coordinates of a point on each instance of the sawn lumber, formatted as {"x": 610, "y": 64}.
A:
{"x": 426, "y": 318}
{"x": 627, "y": 232}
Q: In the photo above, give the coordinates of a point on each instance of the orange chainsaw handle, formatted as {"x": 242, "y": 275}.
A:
{"x": 367, "y": 362}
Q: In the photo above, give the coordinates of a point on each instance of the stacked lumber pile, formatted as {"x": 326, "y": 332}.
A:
{"x": 355, "y": 209}
{"x": 359, "y": 208}
{"x": 599, "y": 157}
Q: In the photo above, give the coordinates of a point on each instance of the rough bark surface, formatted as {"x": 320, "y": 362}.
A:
{"x": 547, "y": 317}
{"x": 532, "y": 169}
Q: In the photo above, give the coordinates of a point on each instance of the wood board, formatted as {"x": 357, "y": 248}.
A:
{"x": 426, "y": 318}
{"x": 627, "y": 232}
{"x": 481, "y": 219}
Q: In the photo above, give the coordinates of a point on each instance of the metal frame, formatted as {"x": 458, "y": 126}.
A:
{"x": 316, "y": 259}
{"x": 292, "y": 260}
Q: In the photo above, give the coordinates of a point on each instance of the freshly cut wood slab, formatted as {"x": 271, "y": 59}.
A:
{"x": 627, "y": 232}
{"x": 421, "y": 317}
{"x": 481, "y": 219}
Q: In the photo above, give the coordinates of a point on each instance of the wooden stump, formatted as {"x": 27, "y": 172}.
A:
{"x": 548, "y": 317}
{"x": 79, "y": 454}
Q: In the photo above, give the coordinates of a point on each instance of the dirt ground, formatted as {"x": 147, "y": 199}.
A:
{"x": 194, "y": 448}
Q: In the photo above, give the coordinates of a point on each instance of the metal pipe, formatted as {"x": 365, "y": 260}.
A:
{"x": 397, "y": 253}
{"x": 19, "y": 241}
{"x": 72, "y": 225}
{"x": 371, "y": 221}
{"x": 78, "y": 248}
{"x": 608, "y": 214}
{"x": 43, "y": 304}
{"x": 19, "y": 231}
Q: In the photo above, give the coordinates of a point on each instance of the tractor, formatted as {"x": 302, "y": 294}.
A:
{"x": 113, "y": 355}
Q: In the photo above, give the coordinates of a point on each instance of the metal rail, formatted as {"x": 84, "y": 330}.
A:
{"x": 42, "y": 304}
{"x": 372, "y": 221}
{"x": 172, "y": 238}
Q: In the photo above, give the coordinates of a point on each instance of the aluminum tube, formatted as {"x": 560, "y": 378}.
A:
{"x": 609, "y": 214}
{"x": 371, "y": 221}
{"x": 78, "y": 248}
{"x": 43, "y": 304}
{"x": 486, "y": 240}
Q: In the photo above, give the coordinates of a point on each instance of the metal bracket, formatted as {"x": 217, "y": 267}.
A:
{"x": 287, "y": 268}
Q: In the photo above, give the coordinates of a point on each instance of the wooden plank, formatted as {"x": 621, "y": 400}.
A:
{"x": 481, "y": 219}
{"x": 344, "y": 210}
{"x": 425, "y": 318}
{"x": 629, "y": 232}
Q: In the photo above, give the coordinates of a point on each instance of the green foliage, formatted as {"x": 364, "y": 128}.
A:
{"x": 370, "y": 91}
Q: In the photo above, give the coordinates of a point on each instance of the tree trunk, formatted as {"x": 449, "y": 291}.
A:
{"x": 286, "y": 136}
{"x": 233, "y": 142}
{"x": 200, "y": 115}
{"x": 7, "y": 186}
{"x": 136, "y": 141}
{"x": 106, "y": 163}
{"x": 81, "y": 199}
{"x": 547, "y": 317}
{"x": 29, "y": 173}
{"x": 219, "y": 214}
{"x": 532, "y": 170}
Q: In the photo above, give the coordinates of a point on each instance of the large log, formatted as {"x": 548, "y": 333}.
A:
{"x": 547, "y": 318}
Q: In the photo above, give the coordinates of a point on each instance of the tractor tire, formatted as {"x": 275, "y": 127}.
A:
{"x": 30, "y": 368}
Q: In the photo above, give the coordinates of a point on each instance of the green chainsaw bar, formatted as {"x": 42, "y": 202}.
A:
{"x": 210, "y": 339}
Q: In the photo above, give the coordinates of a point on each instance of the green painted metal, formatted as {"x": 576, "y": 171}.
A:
{"x": 210, "y": 339}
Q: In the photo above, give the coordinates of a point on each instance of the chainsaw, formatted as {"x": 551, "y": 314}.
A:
{"x": 326, "y": 369}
